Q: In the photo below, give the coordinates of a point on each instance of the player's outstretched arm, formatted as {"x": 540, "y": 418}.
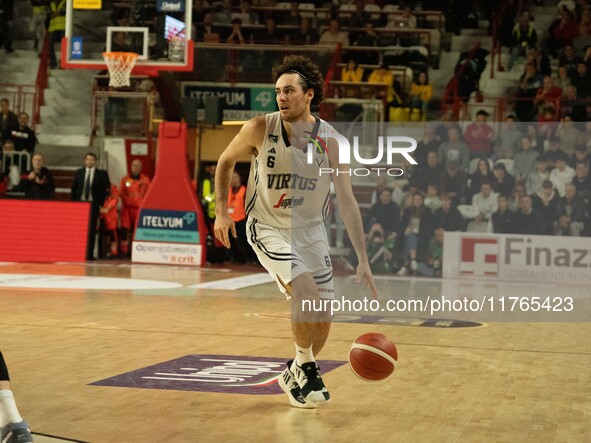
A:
{"x": 242, "y": 147}
{"x": 349, "y": 211}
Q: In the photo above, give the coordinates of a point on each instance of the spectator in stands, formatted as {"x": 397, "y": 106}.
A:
{"x": 206, "y": 30}
{"x": 223, "y": 13}
{"x": 572, "y": 105}
{"x": 110, "y": 223}
{"x": 271, "y": 35}
{"x": 403, "y": 20}
{"x": 486, "y": 203}
{"x": 582, "y": 80}
{"x": 381, "y": 184}
{"x": 525, "y": 160}
{"x": 524, "y": 37}
{"x": 547, "y": 96}
{"x": 432, "y": 200}
{"x": 581, "y": 155}
{"x": 359, "y": 18}
{"x": 483, "y": 174}
{"x": 371, "y": 39}
{"x": 427, "y": 172}
{"x": 527, "y": 220}
{"x": 37, "y": 184}
{"x": 384, "y": 215}
{"x": 454, "y": 149}
{"x": 237, "y": 36}
{"x": 40, "y": 10}
{"x": 529, "y": 84}
{"x": 91, "y": 185}
{"x": 567, "y": 134}
{"x": 416, "y": 230}
{"x": 503, "y": 181}
{"x": 294, "y": 16}
{"x": 537, "y": 141}
{"x": 561, "y": 175}
{"x": 563, "y": 31}
{"x": 570, "y": 60}
{"x": 132, "y": 189}
{"x": 432, "y": 263}
{"x": 7, "y": 25}
{"x": 585, "y": 136}
{"x": 545, "y": 202}
{"x": 453, "y": 182}
{"x": 540, "y": 60}
{"x": 406, "y": 200}
{"x": 508, "y": 138}
{"x": 306, "y": 35}
{"x": 584, "y": 38}
{"x": 22, "y": 135}
{"x": 571, "y": 213}
{"x": 448, "y": 217}
{"x": 428, "y": 143}
{"x": 420, "y": 94}
{"x": 9, "y": 120}
{"x": 582, "y": 180}
{"x": 447, "y": 121}
{"x": 503, "y": 219}
{"x": 56, "y": 29}
{"x": 563, "y": 80}
{"x": 382, "y": 75}
{"x": 352, "y": 72}
{"x": 479, "y": 136}
{"x": 514, "y": 201}
{"x": 553, "y": 153}
{"x": 333, "y": 35}
{"x": 248, "y": 16}
{"x": 7, "y": 146}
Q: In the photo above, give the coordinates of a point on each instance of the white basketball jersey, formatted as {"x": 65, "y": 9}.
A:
{"x": 283, "y": 190}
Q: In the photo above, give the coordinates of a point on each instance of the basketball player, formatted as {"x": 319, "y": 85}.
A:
{"x": 13, "y": 429}
{"x": 287, "y": 201}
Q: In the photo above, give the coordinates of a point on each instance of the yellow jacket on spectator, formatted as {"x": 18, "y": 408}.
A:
{"x": 423, "y": 91}
{"x": 57, "y": 22}
{"x": 383, "y": 76}
{"x": 348, "y": 75}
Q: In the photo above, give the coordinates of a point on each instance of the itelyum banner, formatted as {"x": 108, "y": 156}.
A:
{"x": 212, "y": 373}
{"x": 167, "y": 226}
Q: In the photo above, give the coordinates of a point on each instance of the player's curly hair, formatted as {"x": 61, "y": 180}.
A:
{"x": 309, "y": 73}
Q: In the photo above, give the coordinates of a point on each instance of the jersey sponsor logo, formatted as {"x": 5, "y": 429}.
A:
{"x": 286, "y": 203}
{"x": 271, "y": 151}
{"x": 319, "y": 143}
{"x": 273, "y": 138}
{"x": 291, "y": 181}
{"x": 319, "y": 161}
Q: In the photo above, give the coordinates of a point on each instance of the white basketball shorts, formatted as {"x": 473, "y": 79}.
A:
{"x": 288, "y": 253}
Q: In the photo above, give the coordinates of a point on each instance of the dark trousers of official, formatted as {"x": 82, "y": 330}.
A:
{"x": 94, "y": 214}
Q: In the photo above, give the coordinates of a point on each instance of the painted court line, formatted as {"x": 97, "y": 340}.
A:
{"x": 233, "y": 284}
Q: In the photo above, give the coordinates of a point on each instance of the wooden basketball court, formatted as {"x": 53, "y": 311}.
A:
{"x": 486, "y": 381}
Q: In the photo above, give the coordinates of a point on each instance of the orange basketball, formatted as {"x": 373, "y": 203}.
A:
{"x": 373, "y": 356}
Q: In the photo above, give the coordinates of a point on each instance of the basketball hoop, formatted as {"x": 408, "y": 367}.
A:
{"x": 120, "y": 65}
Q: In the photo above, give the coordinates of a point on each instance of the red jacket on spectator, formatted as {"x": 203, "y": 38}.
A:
{"x": 110, "y": 218}
{"x": 479, "y": 138}
{"x": 133, "y": 190}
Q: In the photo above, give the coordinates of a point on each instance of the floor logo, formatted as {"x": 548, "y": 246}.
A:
{"x": 211, "y": 373}
{"x": 479, "y": 256}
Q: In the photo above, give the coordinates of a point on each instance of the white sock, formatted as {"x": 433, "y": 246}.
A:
{"x": 8, "y": 410}
{"x": 303, "y": 355}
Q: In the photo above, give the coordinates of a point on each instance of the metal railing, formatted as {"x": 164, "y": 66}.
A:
{"x": 21, "y": 97}
{"x": 41, "y": 82}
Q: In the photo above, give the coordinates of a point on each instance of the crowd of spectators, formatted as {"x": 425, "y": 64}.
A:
{"x": 472, "y": 181}
{"x": 17, "y": 146}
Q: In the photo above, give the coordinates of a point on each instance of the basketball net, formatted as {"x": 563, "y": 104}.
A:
{"x": 120, "y": 65}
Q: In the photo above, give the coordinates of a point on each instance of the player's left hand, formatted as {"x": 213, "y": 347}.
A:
{"x": 364, "y": 273}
